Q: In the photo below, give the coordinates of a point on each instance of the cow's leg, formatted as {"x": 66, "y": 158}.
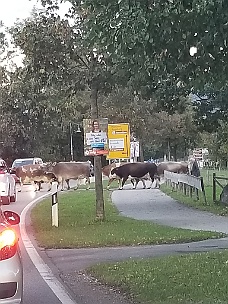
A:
{"x": 132, "y": 181}
{"x": 119, "y": 180}
{"x": 88, "y": 182}
{"x": 20, "y": 185}
{"x": 123, "y": 182}
{"x": 152, "y": 179}
{"x": 39, "y": 185}
{"x": 111, "y": 179}
{"x": 34, "y": 184}
{"x": 136, "y": 183}
{"x": 77, "y": 184}
{"x": 68, "y": 184}
{"x": 157, "y": 181}
{"x": 144, "y": 183}
{"x": 50, "y": 186}
{"x": 60, "y": 181}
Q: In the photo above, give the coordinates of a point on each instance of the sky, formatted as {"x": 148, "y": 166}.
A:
{"x": 17, "y": 10}
{"x": 11, "y": 10}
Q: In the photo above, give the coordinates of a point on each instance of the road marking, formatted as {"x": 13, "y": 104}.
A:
{"x": 45, "y": 272}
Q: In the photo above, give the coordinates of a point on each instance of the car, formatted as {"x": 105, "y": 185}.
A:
{"x": 7, "y": 184}
{"x": 26, "y": 161}
{"x": 11, "y": 268}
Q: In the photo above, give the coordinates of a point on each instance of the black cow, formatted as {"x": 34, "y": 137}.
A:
{"x": 135, "y": 170}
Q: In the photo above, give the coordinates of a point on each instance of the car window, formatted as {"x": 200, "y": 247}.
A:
{"x": 22, "y": 163}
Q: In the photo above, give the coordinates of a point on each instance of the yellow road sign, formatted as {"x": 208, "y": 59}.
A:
{"x": 119, "y": 140}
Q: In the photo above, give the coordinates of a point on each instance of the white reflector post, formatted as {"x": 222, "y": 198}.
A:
{"x": 54, "y": 209}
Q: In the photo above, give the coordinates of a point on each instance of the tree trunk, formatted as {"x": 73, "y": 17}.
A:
{"x": 100, "y": 215}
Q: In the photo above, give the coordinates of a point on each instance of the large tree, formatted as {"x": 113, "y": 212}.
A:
{"x": 152, "y": 39}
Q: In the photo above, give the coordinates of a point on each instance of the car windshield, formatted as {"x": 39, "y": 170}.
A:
{"x": 23, "y": 162}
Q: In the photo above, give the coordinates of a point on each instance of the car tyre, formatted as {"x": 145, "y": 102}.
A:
{"x": 13, "y": 198}
{"x": 5, "y": 200}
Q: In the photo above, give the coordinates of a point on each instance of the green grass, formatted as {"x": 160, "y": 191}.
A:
{"x": 193, "y": 278}
{"x": 79, "y": 228}
{"x": 216, "y": 208}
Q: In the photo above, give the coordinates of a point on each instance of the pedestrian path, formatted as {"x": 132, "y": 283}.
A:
{"x": 153, "y": 205}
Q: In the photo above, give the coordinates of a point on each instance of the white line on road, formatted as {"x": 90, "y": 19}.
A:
{"x": 45, "y": 272}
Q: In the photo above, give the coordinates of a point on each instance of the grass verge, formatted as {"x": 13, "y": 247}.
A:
{"x": 78, "y": 227}
{"x": 216, "y": 208}
{"x": 194, "y": 278}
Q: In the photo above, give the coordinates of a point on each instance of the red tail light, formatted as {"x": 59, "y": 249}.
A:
{"x": 8, "y": 244}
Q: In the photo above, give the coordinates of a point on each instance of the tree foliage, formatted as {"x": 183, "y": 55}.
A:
{"x": 152, "y": 38}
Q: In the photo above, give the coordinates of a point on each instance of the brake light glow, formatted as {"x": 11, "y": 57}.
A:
{"x": 8, "y": 243}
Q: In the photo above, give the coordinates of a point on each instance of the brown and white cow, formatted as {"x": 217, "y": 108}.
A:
{"x": 176, "y": 167}
{"x": 65, "y": 171}
{"x": 106, "y": 170}
{"x": 135, "y": 170}
{"x": 35, "y": 175}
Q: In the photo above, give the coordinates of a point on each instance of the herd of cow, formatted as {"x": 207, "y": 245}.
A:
{"x": 65, "y": 171}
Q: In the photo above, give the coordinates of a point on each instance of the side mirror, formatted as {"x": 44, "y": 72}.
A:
{"x": 12, "y": 217}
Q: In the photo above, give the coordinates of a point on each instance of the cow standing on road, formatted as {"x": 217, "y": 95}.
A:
{"x": 65, "y": 171}
{"x": 35, "y": 175}
{"x": 106, "y": 170}
{"x": 136, "y": 171}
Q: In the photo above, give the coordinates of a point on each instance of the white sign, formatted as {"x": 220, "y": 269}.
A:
{"x": 116, "y": 144}
{"x": 134, "y": 149}
{"x": 96, "y": 138}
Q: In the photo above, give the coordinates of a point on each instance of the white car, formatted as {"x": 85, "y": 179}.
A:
{"x": 11, "y": 269}
{"x": 7, "y": 184}
{"x": 26, "y": 161}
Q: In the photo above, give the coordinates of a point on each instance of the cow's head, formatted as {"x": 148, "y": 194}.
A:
{"x": 114, "y": 170}
{"x": 48, "y": 167}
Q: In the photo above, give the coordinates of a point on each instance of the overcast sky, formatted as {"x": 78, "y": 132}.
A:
{"x": 11, "y": 10}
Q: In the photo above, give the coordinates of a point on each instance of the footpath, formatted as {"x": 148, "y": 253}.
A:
{"x": 141, "y": 204}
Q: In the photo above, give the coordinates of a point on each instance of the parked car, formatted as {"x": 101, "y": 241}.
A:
{"x": 11, "y": 270}
{"x": 7, "y": 184}
{"x": 21, "y": 162}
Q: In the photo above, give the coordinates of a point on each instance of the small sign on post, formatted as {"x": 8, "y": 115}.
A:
{"x": 54, "y": 209}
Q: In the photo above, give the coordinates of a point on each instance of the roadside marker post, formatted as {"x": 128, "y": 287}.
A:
{"x": 54, "y": 209}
